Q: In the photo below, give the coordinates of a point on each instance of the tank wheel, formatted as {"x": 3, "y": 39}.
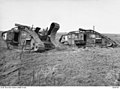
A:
{"x": 35, "y": 48}
{"x": 109, "y": 44}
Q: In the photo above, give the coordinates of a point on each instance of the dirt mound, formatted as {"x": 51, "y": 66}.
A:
{"x": 60, "y": 67}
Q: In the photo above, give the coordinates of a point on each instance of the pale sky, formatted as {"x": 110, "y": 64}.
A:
{"x": 70, "y": 14}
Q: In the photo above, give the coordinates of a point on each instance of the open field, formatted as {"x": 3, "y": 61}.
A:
{"x": 67, "y": 67}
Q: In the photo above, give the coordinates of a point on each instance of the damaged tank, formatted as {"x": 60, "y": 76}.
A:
{"x": 30, "y": 38}
{"x": 86, "y": 38}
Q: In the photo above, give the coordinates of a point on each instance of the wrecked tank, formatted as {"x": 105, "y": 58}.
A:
{"x": 86, "y": 38}
{"x": 29, "y": 38}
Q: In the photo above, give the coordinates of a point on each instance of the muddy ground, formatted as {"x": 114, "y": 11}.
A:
{"x": 67, "y": 67}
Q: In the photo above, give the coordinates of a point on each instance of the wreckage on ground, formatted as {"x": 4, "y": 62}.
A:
{"x": 29, "y": 38}
{"x": 87, "y": 38}
{"x": 34, "y": 39}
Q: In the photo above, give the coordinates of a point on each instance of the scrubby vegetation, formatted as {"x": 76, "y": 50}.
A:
{"x": 67, "y": 67}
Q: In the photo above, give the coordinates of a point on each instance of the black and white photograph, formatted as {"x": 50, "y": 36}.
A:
{"x": 53, "y": 43}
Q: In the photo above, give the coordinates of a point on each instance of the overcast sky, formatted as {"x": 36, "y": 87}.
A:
{"x": 70, "y": 14}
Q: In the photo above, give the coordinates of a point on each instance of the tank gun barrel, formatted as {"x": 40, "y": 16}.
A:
{"x": 19, "y": 25}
